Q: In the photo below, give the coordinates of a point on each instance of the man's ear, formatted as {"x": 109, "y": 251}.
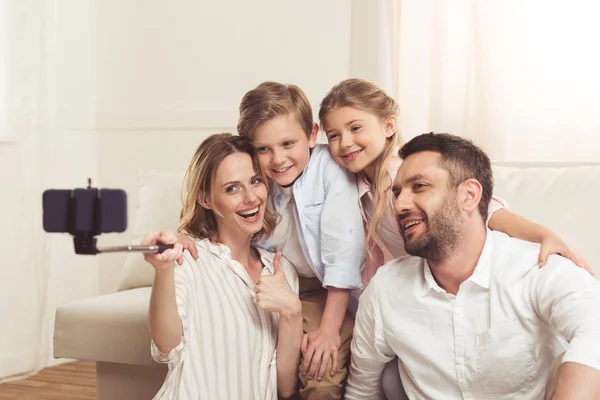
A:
{"x": 202, "y": 200}
{"x": 470, "y": 195}
{"x": 312, "y": 138}
{"x": 390, "y": 125}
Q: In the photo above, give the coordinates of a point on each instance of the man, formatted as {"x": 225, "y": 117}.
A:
{"x": 469, "y": 314}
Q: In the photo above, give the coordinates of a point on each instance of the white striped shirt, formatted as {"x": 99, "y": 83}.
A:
{"x": 228, "y": 346}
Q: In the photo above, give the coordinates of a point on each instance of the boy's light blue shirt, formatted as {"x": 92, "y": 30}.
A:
{"x": 328, "y": 219}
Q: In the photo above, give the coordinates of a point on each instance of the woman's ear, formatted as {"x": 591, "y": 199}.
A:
{"x": 202, "y": 200}
{"x": 390, "y": 124}
{"x": 470, "y": 198}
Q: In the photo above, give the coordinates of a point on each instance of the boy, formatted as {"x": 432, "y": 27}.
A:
{"x": 320, "y": 226}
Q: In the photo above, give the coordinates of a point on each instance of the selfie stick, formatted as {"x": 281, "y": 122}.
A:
{"x": 85, "y": 242}
{"x": 154, "y": 248}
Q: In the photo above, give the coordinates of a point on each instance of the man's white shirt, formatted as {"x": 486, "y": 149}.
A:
{"x": 495, "y": 339}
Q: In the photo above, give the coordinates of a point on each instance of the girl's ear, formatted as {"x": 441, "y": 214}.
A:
{"x": 312, "y": 138}
{"x": 203, "y": 201}
{"x": 390, "y": 125}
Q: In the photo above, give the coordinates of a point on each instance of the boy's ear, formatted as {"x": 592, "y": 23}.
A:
{"x": 312, "y": 138}
{"x": 390, "y": 125}
{"x": 203, "y": 201}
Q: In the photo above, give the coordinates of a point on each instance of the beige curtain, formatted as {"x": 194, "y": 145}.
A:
{"x": 38, "y": 271}
{"x": 519, "y": 77}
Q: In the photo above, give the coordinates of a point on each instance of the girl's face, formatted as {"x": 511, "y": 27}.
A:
{"x": 239, "y": 196}
{"x": 356, "y": 137}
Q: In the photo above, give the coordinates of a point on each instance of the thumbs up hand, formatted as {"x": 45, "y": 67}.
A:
{"x": 273, "y": 292}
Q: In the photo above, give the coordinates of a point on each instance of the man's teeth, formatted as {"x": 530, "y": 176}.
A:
{"x": 409, "y": 224}
{"x": 249, "y": 212}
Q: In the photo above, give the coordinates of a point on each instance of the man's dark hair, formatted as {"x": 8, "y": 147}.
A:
{"x": 460, "y": 157}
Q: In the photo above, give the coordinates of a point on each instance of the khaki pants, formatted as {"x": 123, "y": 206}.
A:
{"x": 313, "y": 297}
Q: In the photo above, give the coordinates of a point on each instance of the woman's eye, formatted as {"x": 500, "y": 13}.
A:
{"x": 261, "y": 149}
{"x": 256, "y": 181}
{"x": 230, "y": 189}
{"x": 355, "y": 128}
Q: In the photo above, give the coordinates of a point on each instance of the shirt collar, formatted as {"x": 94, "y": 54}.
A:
{"x": 480, "y": 276}
{"x": 363, "y": 184}
{"x": 430, "y": 283}
{"x": 223, "y": 252}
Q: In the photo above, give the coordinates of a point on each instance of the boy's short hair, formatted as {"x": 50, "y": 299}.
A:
{"x": 272, "y": 99}
{"x": 460, "y": 157}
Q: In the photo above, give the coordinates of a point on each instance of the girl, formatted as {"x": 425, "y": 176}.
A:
{"x": 359, "y": 120}
{"x": 229, "y": 324}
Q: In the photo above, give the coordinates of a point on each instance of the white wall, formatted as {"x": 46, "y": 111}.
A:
{"x": 168, "y": 74}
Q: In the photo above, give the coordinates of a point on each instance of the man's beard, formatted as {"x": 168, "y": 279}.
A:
{"x": 441, "y": 233}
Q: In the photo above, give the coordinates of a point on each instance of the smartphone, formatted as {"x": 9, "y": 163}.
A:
{"x": 85, "y": 211}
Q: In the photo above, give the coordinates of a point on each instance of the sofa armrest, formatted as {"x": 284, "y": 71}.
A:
{"x": 109, "y": 328}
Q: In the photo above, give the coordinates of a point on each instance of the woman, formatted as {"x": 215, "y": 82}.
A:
{"x": 229, "y": 324}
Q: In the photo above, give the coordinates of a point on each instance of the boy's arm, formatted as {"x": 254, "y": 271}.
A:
{"x": 343, "y": 255}
{"x": 342, "y": 234}
{"x": 324, "y": 342}
{"x": 521, "y": 228}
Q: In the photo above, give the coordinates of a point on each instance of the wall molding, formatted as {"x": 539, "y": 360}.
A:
{"x": 134, "y": 120}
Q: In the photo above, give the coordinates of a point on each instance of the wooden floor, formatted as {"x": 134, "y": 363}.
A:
{"x": 74, "y": 381}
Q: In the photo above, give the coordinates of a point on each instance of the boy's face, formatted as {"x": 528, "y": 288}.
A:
{"x": 284, "y": 148}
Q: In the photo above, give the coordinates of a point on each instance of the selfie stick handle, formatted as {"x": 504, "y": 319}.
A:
{"x": 154, "y": 248}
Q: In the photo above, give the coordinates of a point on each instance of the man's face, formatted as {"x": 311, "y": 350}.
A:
{"x": 426, "y": 206}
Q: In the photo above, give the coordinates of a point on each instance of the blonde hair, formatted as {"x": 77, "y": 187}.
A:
{"x": 196, "y": 220}
{"x": 366, "y": 96}
{"x": 269, "y": 100}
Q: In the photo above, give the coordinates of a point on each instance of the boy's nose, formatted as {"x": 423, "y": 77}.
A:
{"x": 277, "y": 157}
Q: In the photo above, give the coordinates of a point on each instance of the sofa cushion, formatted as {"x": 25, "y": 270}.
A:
{"x": 159, "y": 205}
{"x": 559, "y": 196}
{"x": 112, "y": 328}
{"x": 563, "y": 199}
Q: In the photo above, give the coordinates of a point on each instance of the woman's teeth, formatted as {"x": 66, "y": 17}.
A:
{"x": 250, "y": 214}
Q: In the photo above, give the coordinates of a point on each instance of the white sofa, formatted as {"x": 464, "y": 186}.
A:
{"x": 112, "y": 329}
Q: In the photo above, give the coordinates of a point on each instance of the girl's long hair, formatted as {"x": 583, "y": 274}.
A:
{"x": 366, "y": 96}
